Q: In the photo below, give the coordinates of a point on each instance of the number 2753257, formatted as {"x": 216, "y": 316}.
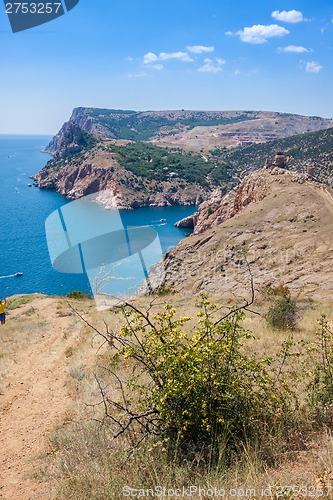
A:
{"x": 33, "y": 8}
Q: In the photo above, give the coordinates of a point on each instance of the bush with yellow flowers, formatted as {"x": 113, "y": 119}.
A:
{"x": 195, "y": 387}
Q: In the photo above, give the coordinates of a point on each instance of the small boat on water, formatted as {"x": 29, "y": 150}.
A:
{"x": 18, "y": 274}
{"x": 162, "y": 220}
{"x": 30, "y": 185}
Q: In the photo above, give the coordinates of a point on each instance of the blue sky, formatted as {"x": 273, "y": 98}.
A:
{"x": 213, "y": 54}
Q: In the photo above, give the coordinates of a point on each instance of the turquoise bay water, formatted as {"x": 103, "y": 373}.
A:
{"x": 24, "y": 209}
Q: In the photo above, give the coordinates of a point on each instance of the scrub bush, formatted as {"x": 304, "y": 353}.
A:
{"x": 283, "y": 313}
{"x": 320, "y": 387}
{"x": 195, "y": 388}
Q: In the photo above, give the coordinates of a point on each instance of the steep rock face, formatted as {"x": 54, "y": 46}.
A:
{"x": 188, "y": 222}
{"x": 70, "y": 140}
{"x": 98, "y": 170}
{"x": 85, "y": 119}
{"x": 74, "y": 183}
{"x": 221, "y": 207}
{"x": 279, "y": 226}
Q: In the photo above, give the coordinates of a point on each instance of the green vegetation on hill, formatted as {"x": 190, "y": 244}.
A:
{"x": 306, "y": 150}
{"x": 135, "y": 129}
{"x": 313, "y": 149}
{"x": 162, "y": 164}
{"x": 88, "y": 141}
{"x": 107, "y": 112}
{"x": 310, "y": 152}
{"x": 139, "y": 126}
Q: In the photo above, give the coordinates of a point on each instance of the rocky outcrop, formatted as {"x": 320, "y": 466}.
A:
{"x": 213, "y": 211}
{"x": 89, "y": 121}
{"x": 220, "y": 206}
{"x": 74, "y": 183}
{"x": 71, "y": 137}
{"x": 188, "y": 222}
{"x": 276, "y": 225}
{"x": 98, "y": 169}
{"x": 70, "y": 140}
{"x": 280, "y": 161}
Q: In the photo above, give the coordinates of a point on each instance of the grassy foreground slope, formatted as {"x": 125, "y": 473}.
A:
{"x": 53, "y": 448}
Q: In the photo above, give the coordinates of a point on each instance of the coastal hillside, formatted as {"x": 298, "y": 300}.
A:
{"x": 194, "y": 130}
{"x": 144, "y": 173}
{"x": 136, "y": 173}
{"x": 275, "y": 223}
{"x": 310, "y": 152}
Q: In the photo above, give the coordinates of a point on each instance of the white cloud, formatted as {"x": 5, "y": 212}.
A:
{"x": 290, "y": 16}
{"x": 260, "y": 33}
{"x": 212, "y": 66}
{"x": 293, "y": 49}
{"x": 313, "y": 67}
{"x": 151, "y": 57}
{"x": 182, "y": 56}
{"x": 200, "y": 49}
{"x": 158, "y": 67}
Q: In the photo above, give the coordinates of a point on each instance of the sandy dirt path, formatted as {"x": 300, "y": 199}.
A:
{"x": 33, "y": 401}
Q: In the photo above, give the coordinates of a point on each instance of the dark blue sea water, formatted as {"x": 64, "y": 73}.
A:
{"x": 24, "y": 209}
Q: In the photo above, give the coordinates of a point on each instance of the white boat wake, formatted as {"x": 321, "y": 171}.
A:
{"x": 11, "y": 276}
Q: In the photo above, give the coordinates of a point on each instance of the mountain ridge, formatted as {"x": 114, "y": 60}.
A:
{"x": 87, "y": 155}
{"x": 188, "y": 129}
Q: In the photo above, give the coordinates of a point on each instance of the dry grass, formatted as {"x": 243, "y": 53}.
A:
{"x": 87, "y": 465}
{"x": 81, "y": 461}
{"x": 22, "y": 327}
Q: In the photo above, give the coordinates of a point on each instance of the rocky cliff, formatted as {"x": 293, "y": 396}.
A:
{"x": 223, "y": 205}
{"x": 70, "y": 140}
{"x": 98, "y": 169}
{"x": 277, "y": 223}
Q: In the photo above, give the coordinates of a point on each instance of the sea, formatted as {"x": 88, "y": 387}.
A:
{"x": 24, "y": 210}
